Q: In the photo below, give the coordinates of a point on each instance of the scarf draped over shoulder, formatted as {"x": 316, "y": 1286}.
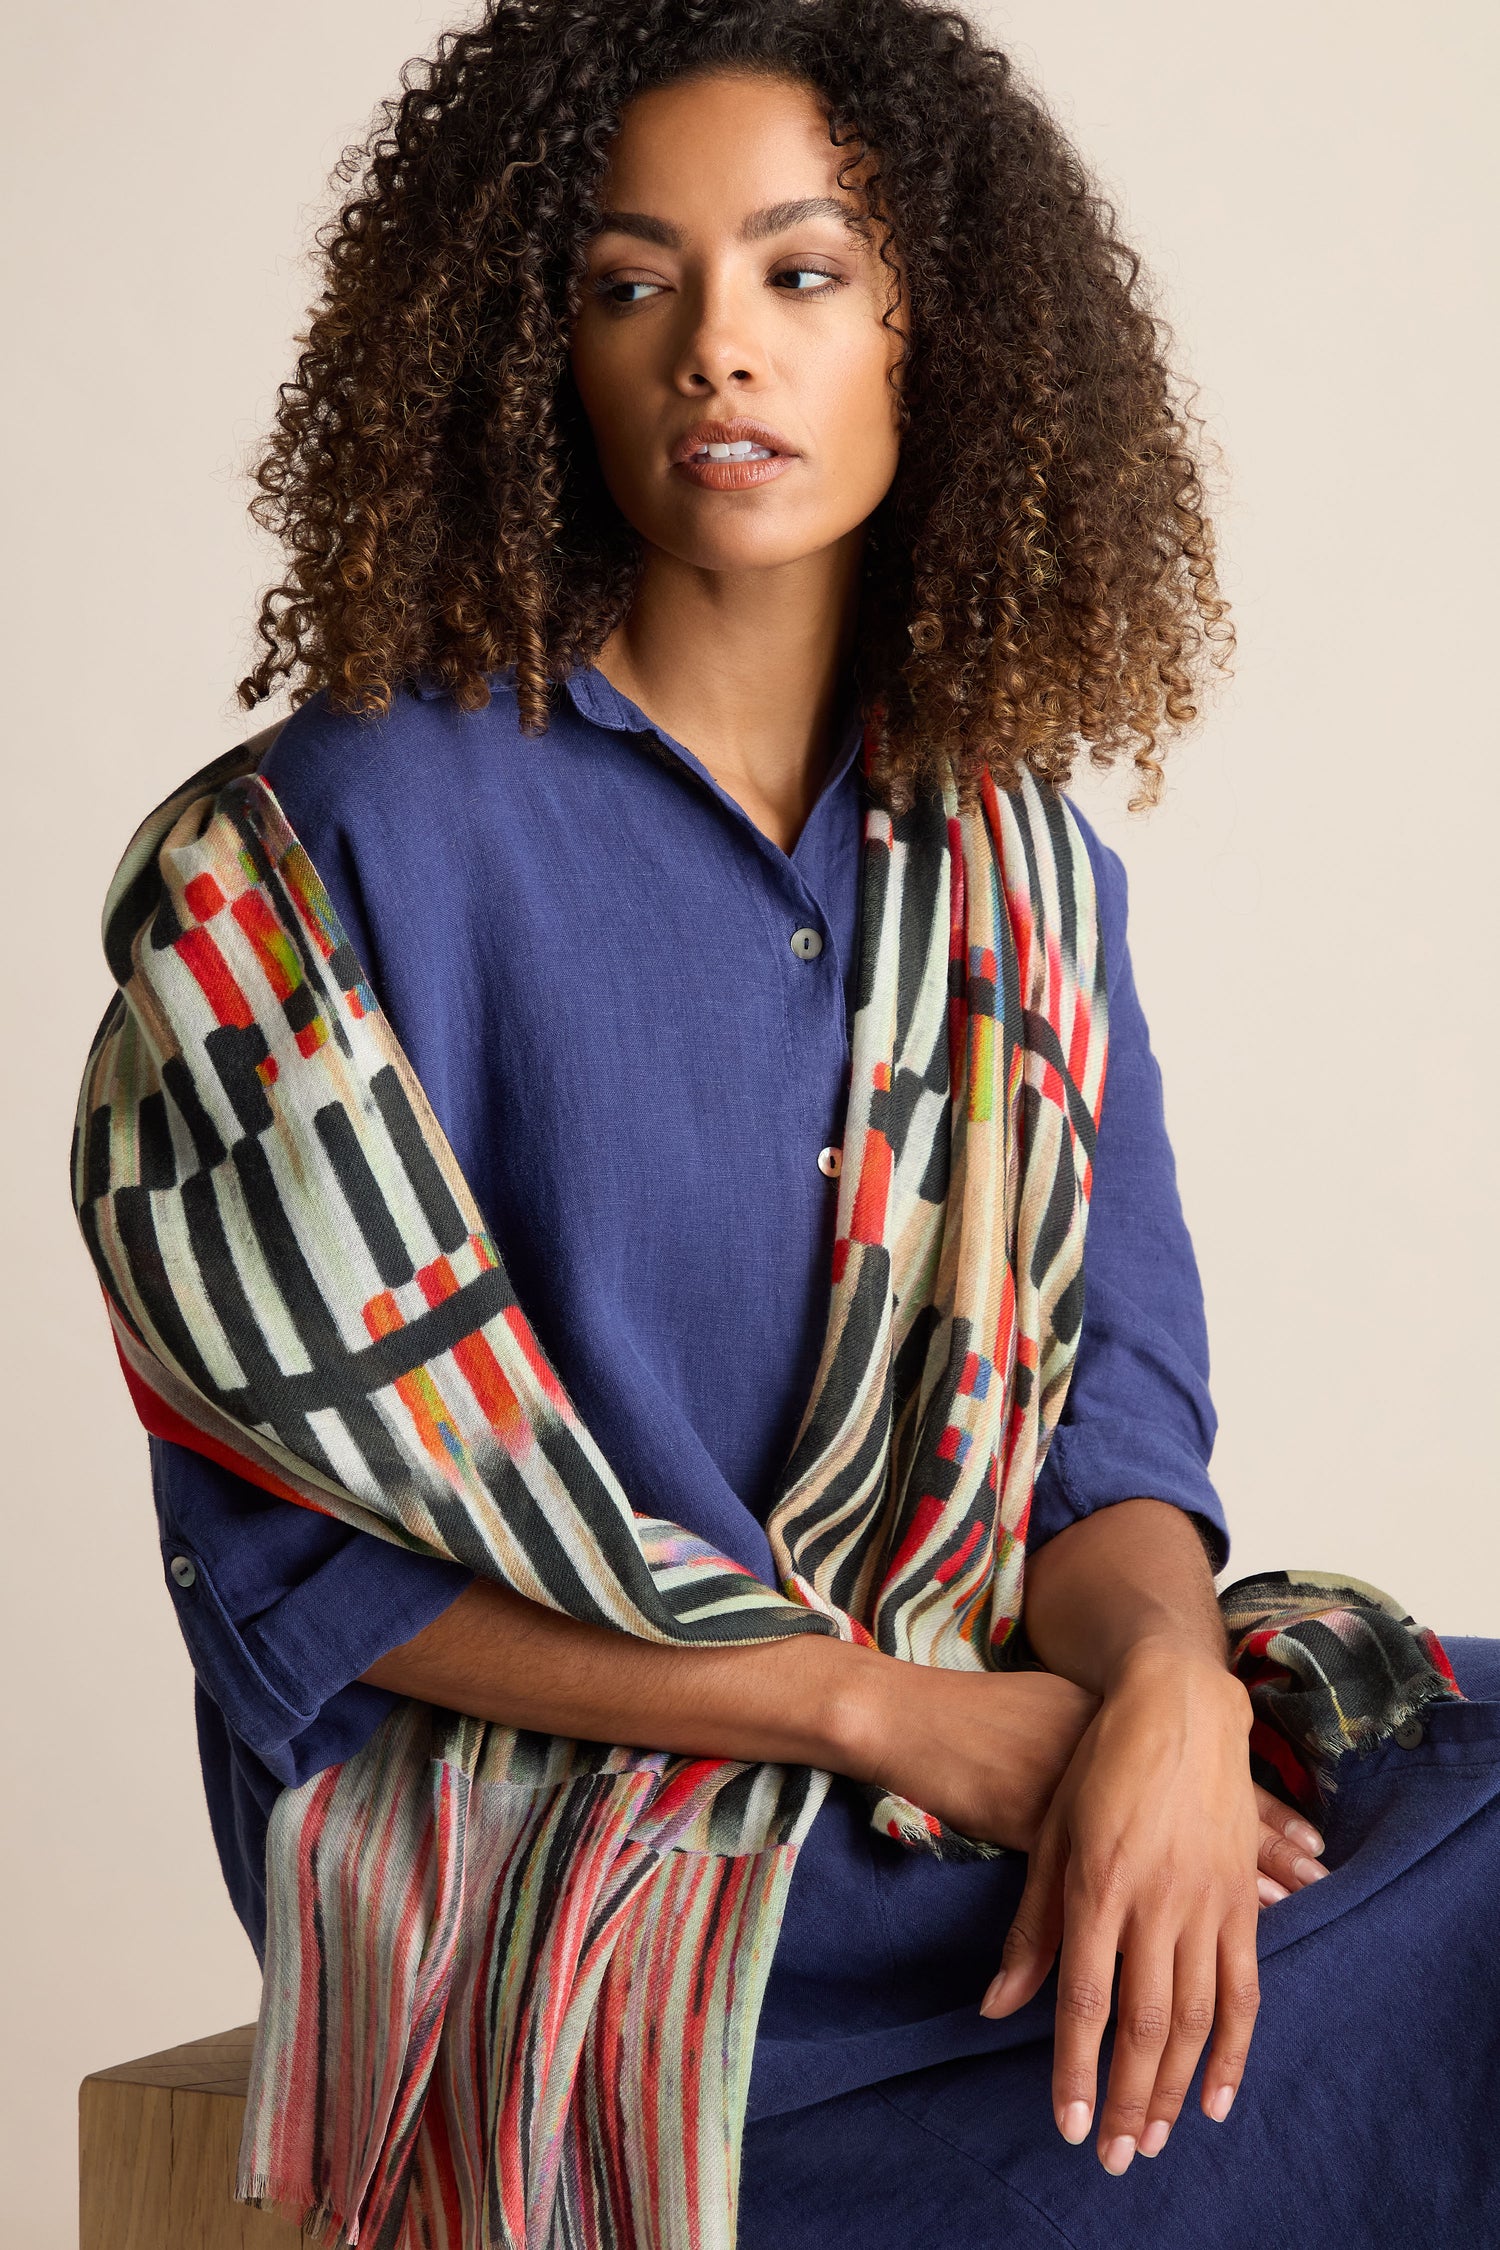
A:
{"x": 512, "y": 1979}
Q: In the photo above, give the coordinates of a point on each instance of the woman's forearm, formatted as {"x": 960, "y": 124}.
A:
{"x": 496, "y": 1655}
{"x": 1129, "y": 1577}
{"x": 982, "y": 1750}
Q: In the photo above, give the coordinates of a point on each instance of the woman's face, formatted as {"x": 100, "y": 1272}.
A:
{"x": 728, "y": 284}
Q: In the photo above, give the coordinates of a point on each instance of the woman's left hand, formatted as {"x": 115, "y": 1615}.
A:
{"x": 1151, "y": 1848}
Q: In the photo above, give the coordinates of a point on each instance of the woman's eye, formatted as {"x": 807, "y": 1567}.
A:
{"x": 609, "y": 291}
{"x": 797, "y": 274}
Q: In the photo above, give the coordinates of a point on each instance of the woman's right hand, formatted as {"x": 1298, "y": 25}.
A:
{"x": 983, "y": 1751}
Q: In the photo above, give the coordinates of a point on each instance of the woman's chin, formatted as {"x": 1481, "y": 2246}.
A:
{"x": 736, "y": 531}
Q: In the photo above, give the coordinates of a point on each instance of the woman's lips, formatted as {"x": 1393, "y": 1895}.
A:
{"x": 733, "y": 476}
{"x": 732, "y": 453}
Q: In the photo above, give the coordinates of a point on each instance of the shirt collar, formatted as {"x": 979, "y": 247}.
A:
{"x": 595, "y": 698}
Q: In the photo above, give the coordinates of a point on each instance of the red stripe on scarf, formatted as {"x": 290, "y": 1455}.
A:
{"x": 164, "y": 1421}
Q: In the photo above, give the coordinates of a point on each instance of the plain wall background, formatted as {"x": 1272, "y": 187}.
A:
{"x": 1313, "y": 906}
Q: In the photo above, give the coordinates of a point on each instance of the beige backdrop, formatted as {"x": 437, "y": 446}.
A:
{"x": 1313, "y": 906}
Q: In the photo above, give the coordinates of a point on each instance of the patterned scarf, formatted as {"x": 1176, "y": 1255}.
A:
{"x": 512, "y": 1980}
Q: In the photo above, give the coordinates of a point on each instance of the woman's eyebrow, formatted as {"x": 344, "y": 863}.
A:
{"x": 641, "y": 224}
{"x": 774, "y": 219}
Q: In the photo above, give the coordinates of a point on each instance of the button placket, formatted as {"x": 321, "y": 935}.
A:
{"x": 807, "y": 944}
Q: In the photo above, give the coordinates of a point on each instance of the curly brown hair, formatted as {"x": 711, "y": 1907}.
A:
{"x": 1038, "y": 579}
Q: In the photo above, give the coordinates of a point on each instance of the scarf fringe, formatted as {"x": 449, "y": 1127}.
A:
{"x": 319, "y": 2221}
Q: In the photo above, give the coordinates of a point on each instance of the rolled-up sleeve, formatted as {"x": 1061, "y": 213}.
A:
{"x": 1138, "y": 1420}
{"x": 282, "y": 1609}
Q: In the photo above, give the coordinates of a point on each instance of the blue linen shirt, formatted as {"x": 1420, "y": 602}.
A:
{"x": 584, "y": 944}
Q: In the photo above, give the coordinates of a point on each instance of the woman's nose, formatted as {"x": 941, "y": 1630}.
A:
{"x": 718, "y": 344}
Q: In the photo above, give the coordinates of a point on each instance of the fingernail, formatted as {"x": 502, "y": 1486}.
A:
{"x": 1154, "y": 2139}
{"x": 1076, "y": 2120}
{"x": 993, "y": 1996}
{"x": 1309, "y": 1870}
{"x": 1218, "y": 2108}
{"x": 1116, "y": 2157}
{"x": 1270, "y": 1890}
{"x": 1301, "y": 1833}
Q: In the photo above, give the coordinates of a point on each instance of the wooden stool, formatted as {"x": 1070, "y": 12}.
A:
{"x": 158, "y": 2141}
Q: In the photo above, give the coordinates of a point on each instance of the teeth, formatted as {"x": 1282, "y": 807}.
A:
{"x": 743, "y": 449}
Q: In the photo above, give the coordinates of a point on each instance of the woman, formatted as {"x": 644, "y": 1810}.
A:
{"x": 701, "y": 397}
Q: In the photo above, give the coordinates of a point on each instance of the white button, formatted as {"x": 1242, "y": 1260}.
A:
{"x": 183, "y": 1570}
{"x": 1409, "y": 1733}
{"x": 806, "y": 944}
{"x": 830, "y": 1160}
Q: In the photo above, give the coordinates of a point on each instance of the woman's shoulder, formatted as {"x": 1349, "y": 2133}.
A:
{"x": 348, "y": 773}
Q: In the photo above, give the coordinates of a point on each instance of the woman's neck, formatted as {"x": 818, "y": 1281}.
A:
{"x": 744, "y": 668}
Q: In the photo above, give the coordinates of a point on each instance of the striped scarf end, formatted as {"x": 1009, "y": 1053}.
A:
{"x": 321, "y": 2223}
{"x": 922, "y": 1831}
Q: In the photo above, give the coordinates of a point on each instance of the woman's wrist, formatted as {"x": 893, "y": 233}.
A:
{"x": 854, "y": 1707}
{"x": 1158, "y": 1658}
